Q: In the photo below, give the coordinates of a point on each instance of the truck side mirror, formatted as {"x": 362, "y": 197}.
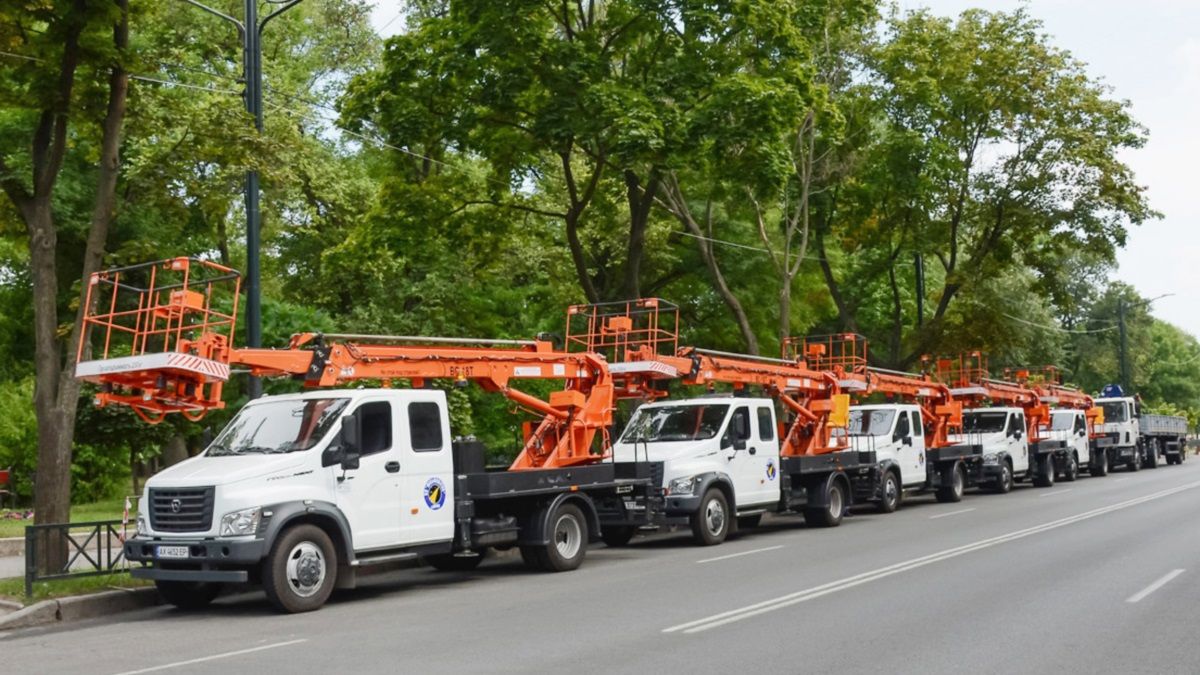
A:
{"x": 907, "y": 440}
{"x": 739, "y": 444}
{"x": 1018, "y": 434}
{"x": 741, "y": 428}
{"x": 345, "y": 449}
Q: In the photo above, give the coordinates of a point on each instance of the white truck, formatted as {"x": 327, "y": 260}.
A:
{"x": 301, "y": 491}
{"x": 1001, "y": 432}
{"x": 721, "y": 469}
{"x": 1140, "y": 439}
{"x": 1069, "y": 425}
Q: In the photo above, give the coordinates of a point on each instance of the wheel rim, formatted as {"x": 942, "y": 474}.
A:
{"x": 306, "y": 569}
{"x": 567, "y": 536}
{"x": 958, "y": 481}
{"x": 1006, "y": 477}
{"x": 890, "y": 491}
{"x": 714, "y": 516}
{"x": 835, "y": 501}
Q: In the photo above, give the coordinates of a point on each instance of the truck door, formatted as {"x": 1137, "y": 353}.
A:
{"x": 1079, "y": 438}
{"x": 741, "y": 454}
{"x": 909, "y": 437}
{"x": 427, "y": 471}
{"x": 1018, "y": 444}
{"x": 767, "y": 455}
{"x": 369, "y": 494}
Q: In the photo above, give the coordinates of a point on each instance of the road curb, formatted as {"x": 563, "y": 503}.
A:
{"x": 12, "y": 546}
{"x": 61, "y": 610}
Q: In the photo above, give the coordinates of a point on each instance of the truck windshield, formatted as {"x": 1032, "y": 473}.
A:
{"x": 1114, "y": 411}
{"x": 1062, "y": 421}
{"x": 675, "y": 423}
{"x": 985, "y": 422}
{"x": 278, "y": 426}
{"x": 870, "y": 422}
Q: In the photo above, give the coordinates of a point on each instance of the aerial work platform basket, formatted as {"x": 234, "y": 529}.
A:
{"x": 157, "y": 336}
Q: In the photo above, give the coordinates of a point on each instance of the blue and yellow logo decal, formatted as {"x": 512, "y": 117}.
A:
{"x": 435, "y": 493}
{"x": 771, "y": 469}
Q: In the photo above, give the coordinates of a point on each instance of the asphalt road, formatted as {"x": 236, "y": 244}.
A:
{"x": 1097, "y": 576}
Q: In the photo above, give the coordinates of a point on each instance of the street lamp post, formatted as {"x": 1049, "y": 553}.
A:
{"x": 250, "y": 30}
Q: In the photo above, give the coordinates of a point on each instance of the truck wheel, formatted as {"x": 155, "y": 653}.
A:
{"x": 889, "y": 493}
{"x": 187, "y": 594}
{"x": 300, "y": 571}
{"x": 749, "y": 522}
{"x": 1098, "y": 466}
{"x": 449, "y": 562}
{"x": 1071, "y": 469}
{"x": 568, "y": 540}
{"x": 617, "y": 536}
{"x": 1045, "y": 472}
{"x": 1135, "y": 464}
{"x": 1004, "y": 483}
{"x": 710, "y": 524}
{"x": 954, "y": 481}
{"x": 1152, "y": 455}
{"x": 831, "y": 515}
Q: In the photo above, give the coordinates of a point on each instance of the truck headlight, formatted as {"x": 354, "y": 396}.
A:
{"x": 241, "y": 523}
{"x": 682, "y": 486}
{"x": 991, "y": 459}
{"x": 142, "y": 528}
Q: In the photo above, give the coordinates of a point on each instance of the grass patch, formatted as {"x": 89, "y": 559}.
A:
{"x": 108, "y": 509}
{"x": 14, "y": 588}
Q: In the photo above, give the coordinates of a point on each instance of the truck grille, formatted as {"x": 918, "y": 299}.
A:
{"x": 181, "y": 509}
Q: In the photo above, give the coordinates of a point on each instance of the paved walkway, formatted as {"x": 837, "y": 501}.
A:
{"x": 12, "y": 566}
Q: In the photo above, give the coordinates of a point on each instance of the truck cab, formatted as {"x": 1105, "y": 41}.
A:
{"x": 896, "y": 433}
{"x": 719, "y": 456}
{"x": 1121, "y": 426}
{"x": 1070, "y": 427}
{"x": 1001, "y": 431}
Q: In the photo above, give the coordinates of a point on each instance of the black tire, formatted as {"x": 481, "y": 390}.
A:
{"x": 568, "y": 541}
{"x": 301, "y": 569}
{"x": 954, "y": 481}
{"x": 1045, "y": 472}
{"x": 710, "y": 523}
{"x": 749, "y": 522}
{"x": 1098, "y": 464}
{"x": 889, "y": 493}
{"x": 1135, "y": 464}
{"x": 1004, "y": 483}
{"x": 187, "y": 594}
{"x": 1152, "y": 455}
{"x": 617, "y": 536}
{"x": 448, "y": 562}
{"x": 1071, "y": 468}
{"x": 830, "y": 515}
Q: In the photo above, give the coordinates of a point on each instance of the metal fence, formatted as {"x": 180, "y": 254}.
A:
{"x": 86, "y": 549}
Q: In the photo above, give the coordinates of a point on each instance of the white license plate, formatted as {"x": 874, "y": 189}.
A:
{"x": 172, "y": 552}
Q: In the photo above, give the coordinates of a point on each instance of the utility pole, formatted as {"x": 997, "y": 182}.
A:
{"x": 250, "y": 31}
{"x": 1123, "y": 355}
{"x": 1126, "y": 384}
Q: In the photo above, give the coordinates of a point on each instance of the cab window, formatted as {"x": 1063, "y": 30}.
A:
{"x": 917, "y": 429}
{"x": 766, "y": 425}
{"x": 739, "y": 427}
{"x": 1080, "y": 425}
{"x": 376, "y": 427}
{"x": 902, "y": 428}
{"x": 425, "y": 426}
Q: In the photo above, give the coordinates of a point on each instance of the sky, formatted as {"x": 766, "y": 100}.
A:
{"x": 1148, "y": 51}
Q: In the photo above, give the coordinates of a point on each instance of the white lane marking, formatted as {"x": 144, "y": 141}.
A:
{"x": 214, "y": 657}
{"x": 773, "y": 604}
{"x": 952, "y": 513}
{"x": 1137, "y": 597}
{"x": 1118, "y": 480}
{"x": 738, "y": 555}
{"x": 1056, "y": 492}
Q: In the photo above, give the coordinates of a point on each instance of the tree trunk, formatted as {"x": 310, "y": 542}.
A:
{"x": 175, "y": 450}
{"x": 640, "y": 202}
{"x": 785, "y": 309}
